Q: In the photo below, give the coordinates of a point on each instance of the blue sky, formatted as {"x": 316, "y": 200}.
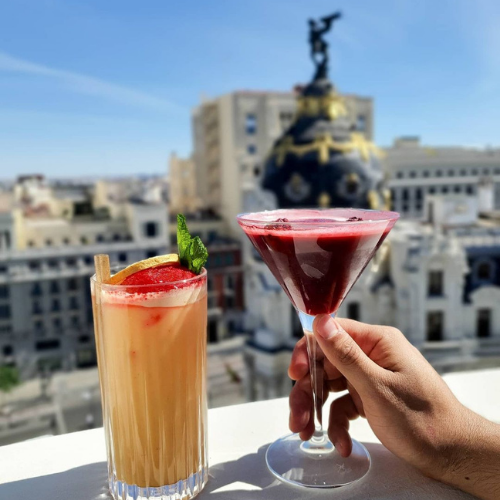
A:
{"x": 93, "y": 87}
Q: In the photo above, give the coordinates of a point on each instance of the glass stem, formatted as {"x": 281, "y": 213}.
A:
{"x": 316, "y": 360}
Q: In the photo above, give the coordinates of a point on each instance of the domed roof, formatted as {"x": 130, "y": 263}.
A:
{"x": 320, "y": 160}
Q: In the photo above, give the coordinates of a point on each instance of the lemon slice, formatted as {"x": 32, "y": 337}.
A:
{"x": 171, "y": 259}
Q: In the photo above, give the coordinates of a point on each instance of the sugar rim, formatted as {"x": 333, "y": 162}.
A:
{"x": 170, "y": 286}
{"x": 258, "y": 218}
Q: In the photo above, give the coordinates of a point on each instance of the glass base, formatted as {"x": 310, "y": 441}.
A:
{"x": 182, "y": 490}
{"x": 304, "y": 464}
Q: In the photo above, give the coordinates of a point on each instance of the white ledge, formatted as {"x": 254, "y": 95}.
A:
{"x": 73, "y": 466}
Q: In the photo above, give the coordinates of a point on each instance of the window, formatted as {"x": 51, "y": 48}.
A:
{"x": 353, "y": 311}
{"x": 286, "y": 119}
{"x": 469, "y": 190}
{"x": 47, "y": 345}
{"x": 451, "y": 173}
{"x": 84, "y": 339}
{"x": 117, "y": 237}
{"x": 84, "y": 240}
{"x": 4, "y": 311}
{"x": 435, "y": 284}
{"x": 72, "y": 284}
{"x": 151, "y": 253}
{"x": 444, "y": 189}
{"x": 56, "y": 305}
{"x": 474, "y": 171}
{"x": 256, "y": 171}
{"x": 483, "y": 324}
{"x": 230, "y": 282}
{"x": 73, "y": 303}
{"x": 435, "y": 323}
{"x": 405, "y": 207}
{"x": 457, "y": 189}
{"x": 463, "y": 173}
{"x": 4, "y": 292}
{"x": 361, "y": 123}
{"x": 405, "y": 194}
{"x": 439, "y": 173}
{"x": 497, "y": 171}
{"x": 34, "y": 265}
{"x": 3, "y": 269}
{"x": 31, "y": 243}
{"x": 48, "y": 243}
{"x": 99, "y": 238}
{"x": 151, "y": 229}
{"x": 399, "y": 175}
{"x": 413, "y": 174}
{"x": 54, "y": 287}
{"x": 88, "y": 260}
{"x": 484, "y": 271}
{"x": 5, "y": 329}
{"x": 212, "y": 331}
{"x": 230, "y": 302}
{"x": 426, "y": 173}
{"x": 38, "y": 326}
{"x": 37, "y": 308}
{"x": 71, "y": 262}
{"x": 418, "y": 207}
{"x": 418, "y": 193}
{"x": 8, "y": 350}
{"x": 251, "y": 149}
{"x": 122, "y": 257}
{"x": 53, "y": 264}
{"x": 57, "y": 325}
{"x": 66, "y": 241}
{"x": 432, "y": 190}
{"x": 75, "y": 321}
{"x": 486, "y": 171}
{"x": 251, "y": 124}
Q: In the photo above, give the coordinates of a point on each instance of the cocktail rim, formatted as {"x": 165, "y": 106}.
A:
{"x": 169, "y": 284}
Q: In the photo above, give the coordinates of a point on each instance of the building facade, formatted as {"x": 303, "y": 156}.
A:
{"x": 232, "y": 136}
{"x": 415, "y": 172}
{"x": 52, "y": 236}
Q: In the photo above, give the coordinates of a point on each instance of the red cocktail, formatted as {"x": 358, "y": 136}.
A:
{"x": 317, "y": 256}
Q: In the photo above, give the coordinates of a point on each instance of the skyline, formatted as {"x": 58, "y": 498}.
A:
{"x": 89, "y": 89}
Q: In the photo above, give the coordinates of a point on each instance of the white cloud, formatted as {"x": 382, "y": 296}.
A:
{"x": 84, "y": 84}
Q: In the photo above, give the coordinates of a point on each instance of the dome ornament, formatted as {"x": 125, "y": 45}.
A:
{"x": 319, "y": 47}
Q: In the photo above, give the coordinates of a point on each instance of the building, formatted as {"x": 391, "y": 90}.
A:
{"x": 183, "y": 185}
{"x": 233, "y": 134}
{"x": 416, "y": 171}
{"x": 49, "y": 238}
{"x": 225, "y": 283}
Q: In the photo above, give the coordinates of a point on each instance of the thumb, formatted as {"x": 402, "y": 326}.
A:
{"x": 343, "y": 352}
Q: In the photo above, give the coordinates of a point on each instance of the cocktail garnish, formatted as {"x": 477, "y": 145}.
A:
{"x": 192, "y": 252}
{"x": 171, "y": 259}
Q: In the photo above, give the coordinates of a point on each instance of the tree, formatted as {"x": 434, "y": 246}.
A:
{"x": 9, "y": 378}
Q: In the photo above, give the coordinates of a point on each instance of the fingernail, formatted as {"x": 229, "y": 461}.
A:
{"x": 325, "y": 326}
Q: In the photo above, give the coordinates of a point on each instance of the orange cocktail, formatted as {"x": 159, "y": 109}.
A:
{"x": 151, "y": 341}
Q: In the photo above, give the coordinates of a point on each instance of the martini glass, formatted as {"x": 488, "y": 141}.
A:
{"x": 316, "y": 256}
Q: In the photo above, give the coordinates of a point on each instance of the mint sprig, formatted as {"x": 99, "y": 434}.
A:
{"x": 192, "y": 252}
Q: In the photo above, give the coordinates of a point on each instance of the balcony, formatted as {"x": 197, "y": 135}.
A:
{"x": 238, "y": 439}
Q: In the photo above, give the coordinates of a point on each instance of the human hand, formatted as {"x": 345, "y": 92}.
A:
{"x": 407, "y": 404}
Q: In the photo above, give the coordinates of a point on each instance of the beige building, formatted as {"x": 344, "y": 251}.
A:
{"x": 416, "y": 171}
{"x": 183, "y": 185}
{"x": 233, "y": 134}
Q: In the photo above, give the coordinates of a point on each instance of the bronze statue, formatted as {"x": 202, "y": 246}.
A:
{"x": 319, "y": 47}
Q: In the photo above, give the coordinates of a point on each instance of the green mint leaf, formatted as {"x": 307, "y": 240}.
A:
{"x": 183, "y": 239}
{"x": 198, "y": 254}
{"x": 192, "y": 252}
